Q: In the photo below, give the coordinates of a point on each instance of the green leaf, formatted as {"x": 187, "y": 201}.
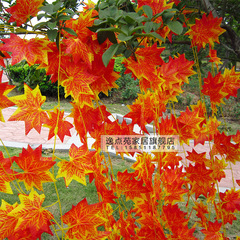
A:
{"x": 70, "y": 31}
{"x": 57, "y": 6}
{"x": 167, "y": 16}
{"x": 148, "y": 10}
{"x": 107, "y": 56}
{"x": 63, "y": 17}
{"x": 101, "y": 37}
{"x": 52, "y": 25}
{"x": 136, "y": 29}
{"x": 48, "y": 8}
{"x": 40, "y": 25}
{"x": 40, "y": 16}
{"x": 52, "y": 34}
{"x": 148, "y": 27}
{"x": 176, "y": 27}
{"x": 123, "y": 37}
{"x": 111, "y": 29}
{"x": 127, "y": 53}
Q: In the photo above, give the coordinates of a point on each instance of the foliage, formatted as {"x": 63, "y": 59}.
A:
{"x": 78, "y": 55}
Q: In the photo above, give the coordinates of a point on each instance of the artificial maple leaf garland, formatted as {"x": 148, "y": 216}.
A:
{"x": 158, "y": 182}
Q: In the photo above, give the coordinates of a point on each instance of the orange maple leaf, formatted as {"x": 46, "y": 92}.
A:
{"x": 106, "y": 76}
{"x": 147, "y": 108}
{"x": 187, "y": 124}
{"x": 7, "y": 223}
{"x": 29, "y": 109}
{"x": 213, "y": 87}
{"x": 200, "y": 178}
{"x": 231, "y": 80}
{"x": 127, "y": 184}
{"x": 205, "y": 31}
{"x": 201, "y": 210}
{"x": 230, "y": 200}
{"x": 78, "y": 166}
{"x": 144, "y": 168}
{"x": 151, "y": 228}
{"x": 79, "y": 51}
{"x": 77, "y": 81}
{"x": 31, "y": 216}
{"x": 6, "y": 174}
{"x": 4, "y": 100}
{"x": 213, "y": 231}
{"x": 24, "y": 9}
{"x": 58, "y": 125}
{"x": 33, "y": 50}
{"x": 35, "y": 168}
{"x": 83, "y": 220}
{"x": 224, "y": 147}
{"x": 236, "y": 137}
{"x": 174, "y": 182}
{"x": 93, "y": 120}
{"x": 213, "y": 56}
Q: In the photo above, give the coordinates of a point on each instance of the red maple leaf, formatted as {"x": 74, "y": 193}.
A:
{"x": 147, "y": 108}
{"x": 83, "y": 220}
{"x": 29, "y": 109}
{"x": 24, "y": 9}
{"x": 33, "y": 51}
{"x": 7, "y": 223}
{"x": 213, "y": 56}
{"x": 144, "y": 168}
{"x": 224, "y": 147}
{"x": 150, "y": 227}
{"x": 129, "y": 186}
{"x": 205, "y": 31}
{"x": 200, "y": 178}
{"x": 106, "y": 76}
{"x": 231, "y": 80}
{"x": 187, "y": 124}
{"x": 202, "y": 211}
{"x": 35, "y": 168}
{"x": 6, "y": 174}
{"x": 78, "y": 166}
{"x": 87, "y": 119}
{"x": 4, "y": 100}
{"x": 230, "y": 200}
{"x": 58, "y": 125}
{"x": 79, "y": 51}
{"x": 77, "y": 81}
{"x": 213, "y": 231}
{"x": 236, "y": 137}
{"x": 173, "y": 182}
{"x": 32, "y": 218}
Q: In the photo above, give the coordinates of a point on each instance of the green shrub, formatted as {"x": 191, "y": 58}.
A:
{"x": 23, "y": 73}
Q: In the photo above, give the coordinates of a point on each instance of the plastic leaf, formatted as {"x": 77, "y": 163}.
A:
{"x": 23, "y": 10}
{"x": 77, "y": 81}
{"x": 7, "y": 223}
{"x": 206, "y": 31}
{"x": 63, "y": 127}
{"x": 6, "y": 174}
{"x": 83, "y": 220}
{"x": 31, "y": 216}
{"x": 213, "y": 56}
{"x": 33, "y": 51}
{"x": 213, "y": 231}
{"x": 4, "y": 100}
{"x": 231, "y": 80}
{"x": 3, "y": 56}
{"x": 129, "y": 186}
{"x": 230, "y": 200}
{"x": 29, "y": 109}
{"x": 213, "y": 87}
{"x": 35, "y": 168}
{"x": 78, "y": 166}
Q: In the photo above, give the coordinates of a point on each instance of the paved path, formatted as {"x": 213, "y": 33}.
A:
{"x": 13, "y": 135}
